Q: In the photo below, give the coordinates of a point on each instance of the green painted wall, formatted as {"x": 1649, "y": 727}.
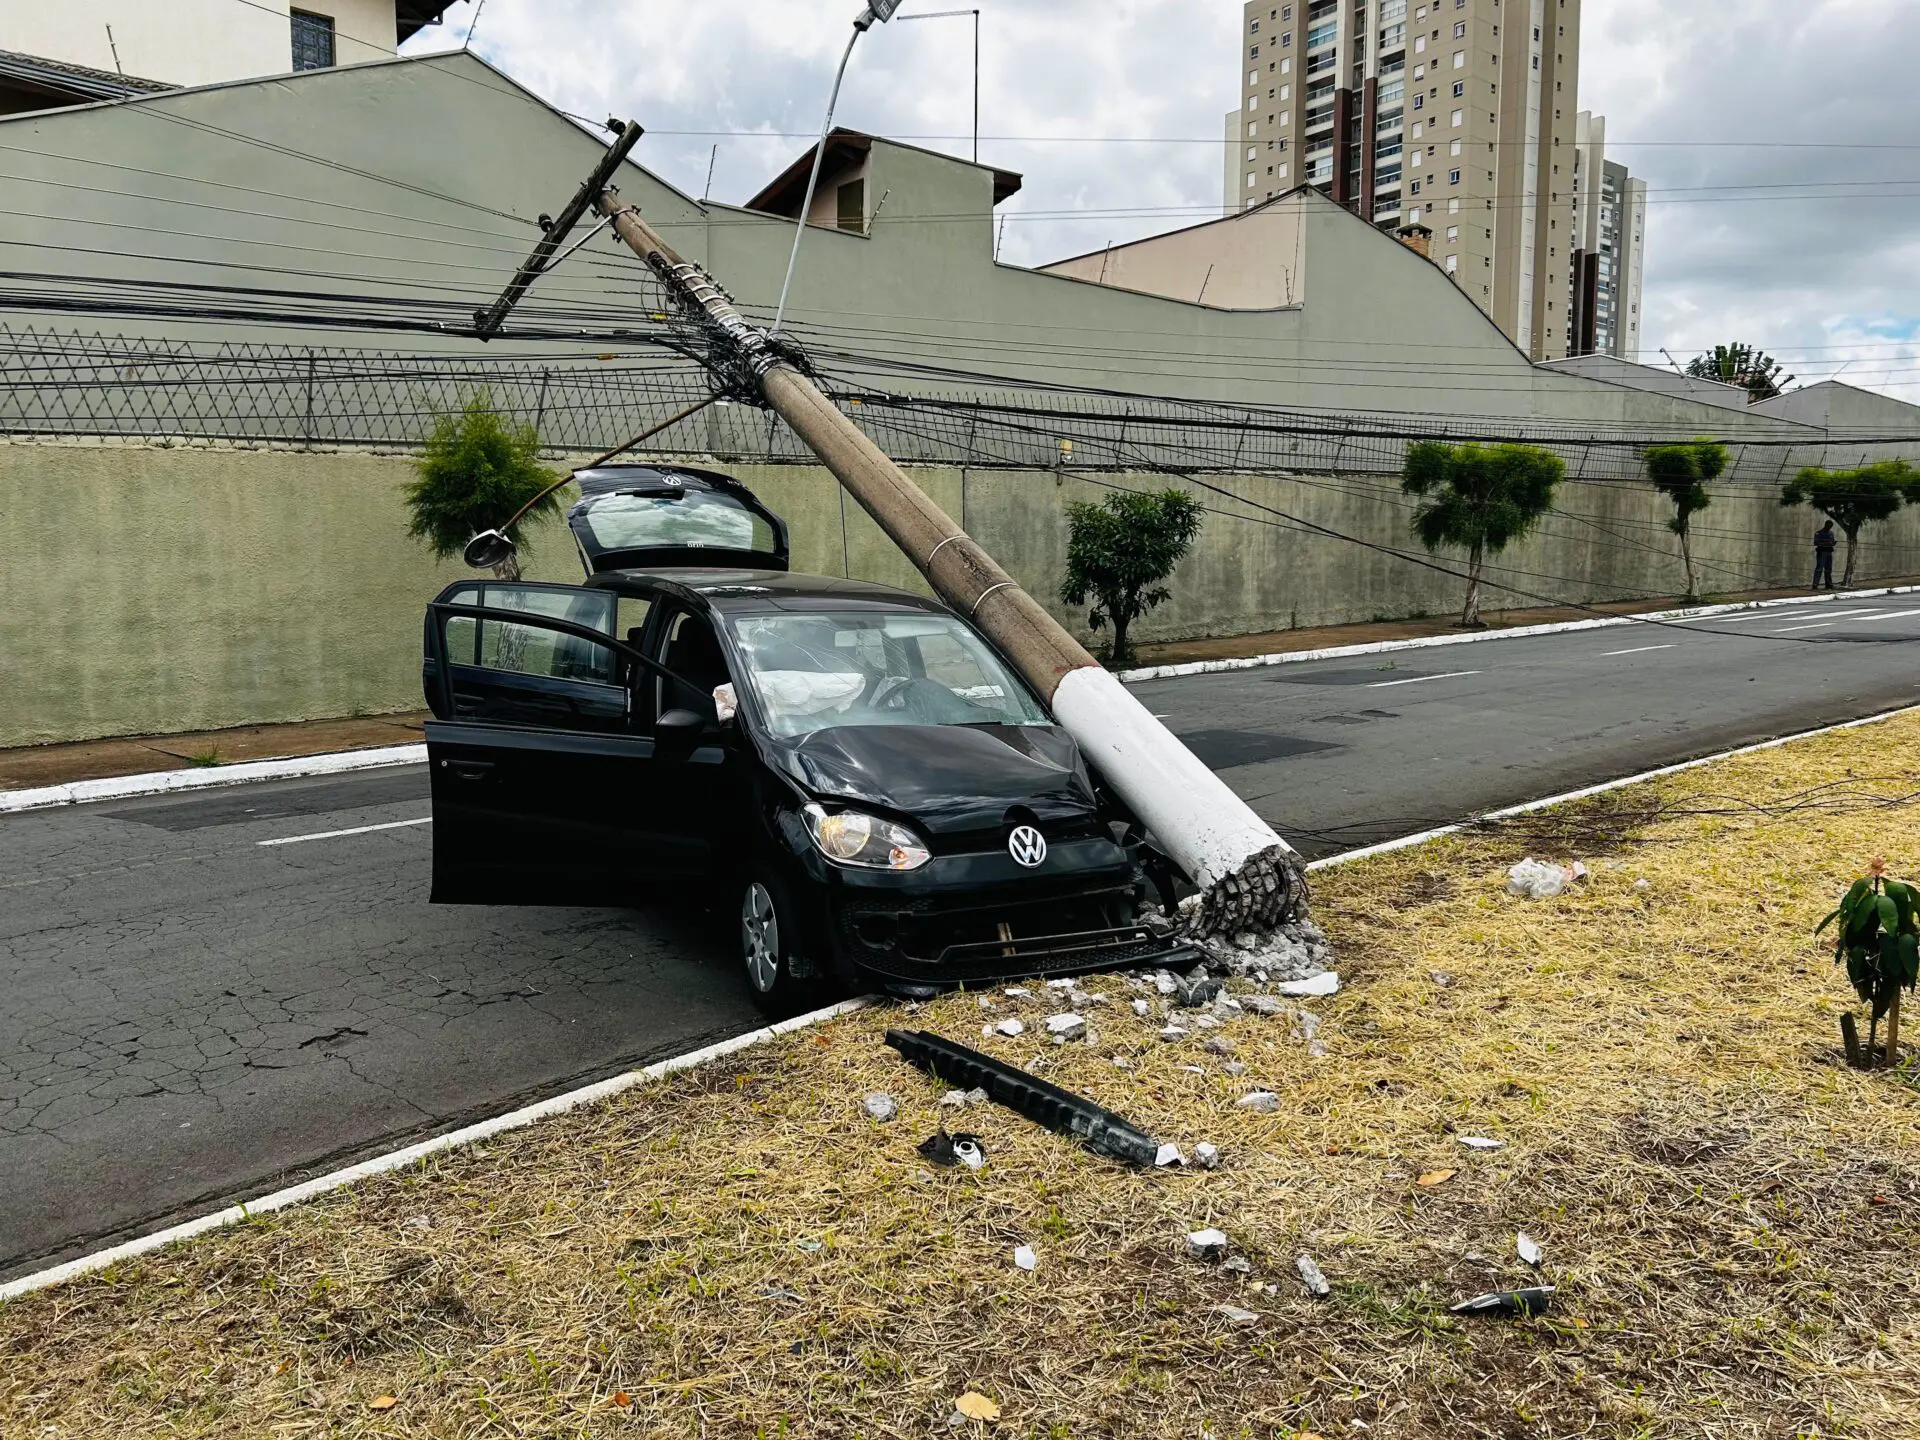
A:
{"x": 151, "y": 590}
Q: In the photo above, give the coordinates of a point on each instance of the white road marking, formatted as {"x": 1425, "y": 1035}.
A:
{"x": 1423, "y": 679}
{"x": 1643, "y": 650}
{"x": 1834, "y": 618}
{"x": 342, "y": 834}
{"x": 1891, "y": 615}
{"x": 1796, "y": 629}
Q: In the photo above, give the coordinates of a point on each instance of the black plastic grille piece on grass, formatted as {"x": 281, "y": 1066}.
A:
{"x": 1061, "y": 1111}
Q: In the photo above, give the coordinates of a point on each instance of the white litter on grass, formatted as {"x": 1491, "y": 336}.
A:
{"x": 1207, "y": 1244}
{"x": 1014, "y": 992}
{"x": 1261, "y": 1102}
{"x": 1533, "y": 880}
{"x": 1169, "y": 1156}
{"x": 1481, "y": 1142}
{"x": 1206, "y": 1156}
{"x": 880, "y": 1108}
{"x": 1320, "y": 986}
{"x": 1061, "y": 984}
{"x": 1234, "y": 1315}
{"x": 1010, "y": 1028}
{"x": 1529, "y": 1249}
{"x": 1025, "y": 1259}
{"x": 1142, "y": 1008}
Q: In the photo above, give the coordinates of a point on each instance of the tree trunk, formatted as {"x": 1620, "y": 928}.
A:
{"x": 1122, "y": 622}
{"x": 1470, "y": 617}
{"x": 1686, "y": 556}
{"x": 1853, "y": 541}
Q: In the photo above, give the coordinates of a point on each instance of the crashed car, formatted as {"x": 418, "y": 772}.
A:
{"x": 876, "y": 794}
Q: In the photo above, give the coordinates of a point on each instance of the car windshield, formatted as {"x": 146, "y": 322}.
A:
{"x": 823, "y": 671}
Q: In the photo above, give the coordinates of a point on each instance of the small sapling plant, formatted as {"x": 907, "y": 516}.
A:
{"x": 1879, "y": 943}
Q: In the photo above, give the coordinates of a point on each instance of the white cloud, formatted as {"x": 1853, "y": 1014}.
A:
{"x": 1764, "y": 225}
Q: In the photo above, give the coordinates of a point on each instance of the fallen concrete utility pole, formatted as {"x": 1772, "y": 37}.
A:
{"x": 1250, "y": 879}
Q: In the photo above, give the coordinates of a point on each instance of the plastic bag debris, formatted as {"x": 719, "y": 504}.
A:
{"x": 950, "y": 1151}
{"x": 1529, "y": 1249}
{"x": 1480, "y": 1142}
{"x": 1207, "y": 1245}
{"x": 1312, "y": 1277}
{"x": 1025, "y": 1259}
{"x": 1318, "y": 987}
{"x": 1534, "y": 880}
{"x": 880, "y": 1108}
{"x": 1534, "y": 1301}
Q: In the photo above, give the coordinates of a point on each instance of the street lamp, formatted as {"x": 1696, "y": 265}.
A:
{"x": 880, "y": 11}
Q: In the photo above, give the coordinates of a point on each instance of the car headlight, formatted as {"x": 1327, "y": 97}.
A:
{"x": 852, "y": 838}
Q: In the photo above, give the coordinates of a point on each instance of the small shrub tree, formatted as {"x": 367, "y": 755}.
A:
{"x": 1879, "y": 943}
{"x": 1854, "y": 498}
{"x": 1479, "y": 498}
{"x": 1682, "y": 474}
{"x": 477, "y": 470}
{"x": 1120, "y": 550}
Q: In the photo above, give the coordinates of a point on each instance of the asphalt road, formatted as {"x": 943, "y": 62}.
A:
{"x": 193, "y": 1015}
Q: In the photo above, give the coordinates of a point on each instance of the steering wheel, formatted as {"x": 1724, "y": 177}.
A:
{"x": 890, "y": 692}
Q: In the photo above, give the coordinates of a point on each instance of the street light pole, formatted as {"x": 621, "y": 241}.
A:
{"x": 878, "y": 10}
{"x": 957, "y": 15}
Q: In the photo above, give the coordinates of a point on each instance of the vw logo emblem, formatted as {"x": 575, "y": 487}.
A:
{"x": 1028, "y": 846}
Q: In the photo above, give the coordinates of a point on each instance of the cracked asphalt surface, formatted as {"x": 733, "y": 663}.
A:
{"x": 191, "y": 1018}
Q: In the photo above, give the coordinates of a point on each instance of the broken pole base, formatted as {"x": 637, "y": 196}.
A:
{"x": 1267, "y": 892}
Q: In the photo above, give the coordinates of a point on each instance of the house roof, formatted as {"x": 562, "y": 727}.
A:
{"x": 413, "y": 16}
{"x": 59, "y": 80}
{"x": 788, "y": 190}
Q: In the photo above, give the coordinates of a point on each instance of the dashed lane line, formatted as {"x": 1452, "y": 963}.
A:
{"x": 342, "y": 834}
{"x": 1642, "y": 650}
{"x": 1423, "y": 679}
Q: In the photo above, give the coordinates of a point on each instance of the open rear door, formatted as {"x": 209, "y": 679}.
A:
{"x": 645, "y": 517}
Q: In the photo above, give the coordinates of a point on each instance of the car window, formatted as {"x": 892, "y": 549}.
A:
{"x": 692, "y": 652}
{"x": 695, "y": 518}
{"x": 821, "y": 671}
{"x": 528, "y": 649}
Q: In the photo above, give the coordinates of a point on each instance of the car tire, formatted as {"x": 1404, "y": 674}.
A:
{"x": 766, "y": 934}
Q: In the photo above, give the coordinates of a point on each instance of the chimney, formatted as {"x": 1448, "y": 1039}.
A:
{"x": 1417, "y": 238}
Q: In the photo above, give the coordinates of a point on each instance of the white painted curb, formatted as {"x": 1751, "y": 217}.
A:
{"x": 1523, "y": 632}
{"x": 1408, "y": 842}
{"x": 212, "y": 777}
{"x": 400, "y": 1159}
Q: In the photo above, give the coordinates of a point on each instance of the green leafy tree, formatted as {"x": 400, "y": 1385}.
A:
{"x": 1747, "y": 366}
{"x": 1479, "y": 498}
{"x": 1120, "y": 550}
{"x": 1879, "y": 943}
{"x": 1854, "y": 498}
{"x": 477, "y": 470}
{"x": 1682, "y": 474}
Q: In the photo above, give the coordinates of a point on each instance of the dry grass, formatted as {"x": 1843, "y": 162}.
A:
{"x": 1730, "y": 1214}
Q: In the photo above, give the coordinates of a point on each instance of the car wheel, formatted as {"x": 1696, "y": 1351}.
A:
{"x": 766, "y": 939}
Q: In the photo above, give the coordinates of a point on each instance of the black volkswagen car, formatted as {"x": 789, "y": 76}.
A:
{"x": 854, "y": 769}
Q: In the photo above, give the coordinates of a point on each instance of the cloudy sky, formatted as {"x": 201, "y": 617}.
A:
{"x": 1779, "y": 137}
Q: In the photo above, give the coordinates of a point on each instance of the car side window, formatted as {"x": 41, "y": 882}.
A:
{"x": 529, "y": 649}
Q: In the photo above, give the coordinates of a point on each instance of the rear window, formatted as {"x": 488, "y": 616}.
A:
{"x": 696, "y": 519}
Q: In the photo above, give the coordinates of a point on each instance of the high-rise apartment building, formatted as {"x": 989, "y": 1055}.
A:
{"x": 1609, "y": 237}
{"x": 1457, "y": 115}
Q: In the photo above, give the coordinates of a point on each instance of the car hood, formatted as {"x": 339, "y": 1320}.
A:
{"x": 950, "y": 779}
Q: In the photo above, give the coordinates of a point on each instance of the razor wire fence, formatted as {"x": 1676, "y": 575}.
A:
{"x": 55, "y": 384}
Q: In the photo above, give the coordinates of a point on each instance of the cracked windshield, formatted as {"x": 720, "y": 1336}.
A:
{"x": 693, "y": 518}
{"x": 820, "y": 672}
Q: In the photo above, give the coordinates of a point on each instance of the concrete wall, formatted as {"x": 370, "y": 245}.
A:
{"x": 1254, "y": 261}
{"x": 151, "y": 590}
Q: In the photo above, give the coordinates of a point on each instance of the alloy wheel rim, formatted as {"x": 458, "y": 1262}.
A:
{"x": 760, "y": 934}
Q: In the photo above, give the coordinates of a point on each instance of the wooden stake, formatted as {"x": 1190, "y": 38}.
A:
{"x": 1893, "y": 1032}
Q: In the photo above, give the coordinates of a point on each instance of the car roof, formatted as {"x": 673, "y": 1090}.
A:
{"x": 750, "y": 590}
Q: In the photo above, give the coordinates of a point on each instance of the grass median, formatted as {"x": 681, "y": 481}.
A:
{"x": 1728, "y": 1212}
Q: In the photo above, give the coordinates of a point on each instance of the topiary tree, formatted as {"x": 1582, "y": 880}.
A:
{"x": 1752, "y": 369}
{"x": 1120, "y": 550}
{"x": 1682, "y": 474}
{"x": 476, "y": 472}
{"x": 1479, "y": 498}
{"x": 1854, "y": 498}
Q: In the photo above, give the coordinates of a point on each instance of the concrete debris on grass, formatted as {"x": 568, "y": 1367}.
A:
{"x": 1066, "y": 1027}
{"x": 1237, "y": 1265}
{"x": 1009, "y": 1028}
{"x": 1169, "y": 1157}
{"x": 961, "y": 1099}
{"x": 1312, "y": 1277}
{"x": 1528, "y": 1249}
{"x": 880, "y": 1108}
{"x": 1261, "y": 1102}
{"x": 1206, "y": 1156}
{"x": 1207, "y": 1244}
{"x": 1481, "y": 1142}
{"x": 1234, "y": 1315}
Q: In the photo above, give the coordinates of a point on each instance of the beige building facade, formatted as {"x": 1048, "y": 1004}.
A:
{"x": 1453, "y": 114}
{"x": 155, "y": 43}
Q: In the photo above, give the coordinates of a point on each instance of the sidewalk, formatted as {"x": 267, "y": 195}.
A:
{"x": 30, "y": 767}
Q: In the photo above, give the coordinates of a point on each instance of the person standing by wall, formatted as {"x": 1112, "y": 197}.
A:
{"x": 1824, "y": 541}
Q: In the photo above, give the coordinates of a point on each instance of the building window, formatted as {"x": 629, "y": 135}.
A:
{"x": 1455, "y": 147}
{"x": 1453, "y": 234}
{"x": 1252, "y": 180}
{"x": 1253, "y": 77}
{"x": 1453, "y": 177}
{"x": 312, "y": 41}
{"x": 1459, "y": 118}
{"x": 1459, "y": 29}
{"x": 1253, "y": 52}
{"x": 1453, "y": 264}
{"x": 1286, "y": 12}
{"x": 1459, "y": 89}
{"x": 1453, "y": 206}
{"x": 1252, "y": 154}
{"x": 1420, "y": 45}
{"x": 1283, "y": 171}
{"x": 1419, "y": 102}
{"x": 1413, "y": 188}
{"x": 1460, "y": 59}
{"x": 1286, "y": 65}
{"x": 1256, "y": 28}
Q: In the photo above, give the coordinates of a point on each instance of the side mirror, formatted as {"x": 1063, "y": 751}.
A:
{"x": 488, "y": 549}
{"x": 677, "y": 732}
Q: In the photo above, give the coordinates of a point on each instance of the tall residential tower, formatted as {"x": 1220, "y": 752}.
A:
{"x": 1609, "y": 238}
{"x": 1457, "y": 115}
